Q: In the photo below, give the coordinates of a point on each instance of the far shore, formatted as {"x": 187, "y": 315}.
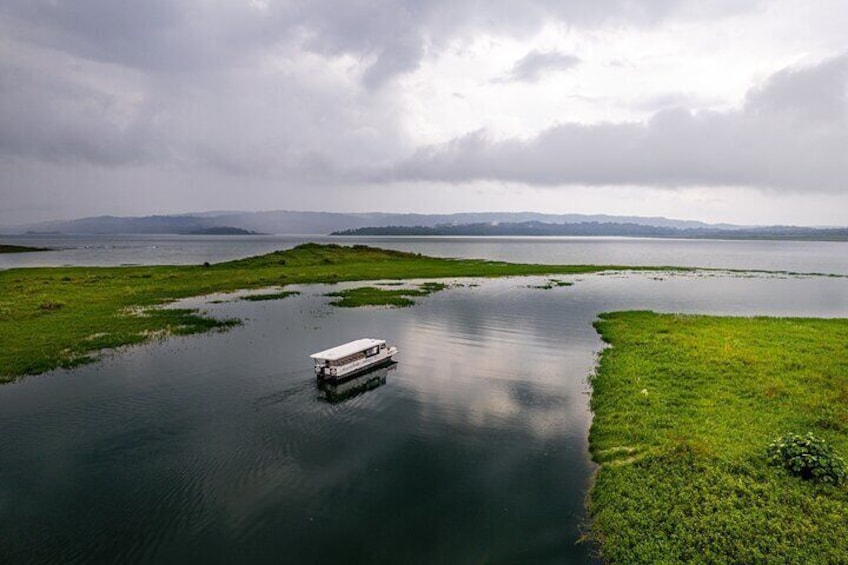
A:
{"x": 20, "y": 249}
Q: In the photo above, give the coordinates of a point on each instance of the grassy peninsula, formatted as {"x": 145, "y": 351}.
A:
{"x": 20, "y": 249}
{"x": 684, "y": 409}
{"x": 62, "y": 316}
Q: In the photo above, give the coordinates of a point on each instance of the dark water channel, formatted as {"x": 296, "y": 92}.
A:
{"x": 221, "y": 448}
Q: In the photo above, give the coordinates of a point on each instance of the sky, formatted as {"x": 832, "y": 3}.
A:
{"x": 721, "y": 111}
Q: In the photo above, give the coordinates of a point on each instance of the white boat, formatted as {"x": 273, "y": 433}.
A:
{"x": 352, "y": 358}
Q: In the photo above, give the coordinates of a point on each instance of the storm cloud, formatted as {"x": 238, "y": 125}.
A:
{"x": 193, "y": 105}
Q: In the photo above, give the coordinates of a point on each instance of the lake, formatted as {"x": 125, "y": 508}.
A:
{"x": 796, "y": 256}
{"x": 222, "y": 448}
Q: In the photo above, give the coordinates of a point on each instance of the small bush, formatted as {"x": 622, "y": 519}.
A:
{"x": 808, "y": 457}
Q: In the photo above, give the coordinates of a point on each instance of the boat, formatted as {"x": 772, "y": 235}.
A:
{"x": 352, "y": 358}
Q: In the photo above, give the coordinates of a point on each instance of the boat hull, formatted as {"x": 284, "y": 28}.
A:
{"x": 343, "y": 373}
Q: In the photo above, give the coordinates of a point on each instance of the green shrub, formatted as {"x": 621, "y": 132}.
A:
{"x": 808, "y": 457}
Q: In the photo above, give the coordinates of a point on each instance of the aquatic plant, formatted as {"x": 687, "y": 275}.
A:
{"x": 808, "y": 457}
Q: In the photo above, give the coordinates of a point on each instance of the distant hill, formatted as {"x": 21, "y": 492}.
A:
{"x": 605, "y": 229}
{"x": 292, "y": 222}
{"x": 222, "y": 230}
{"x": 378, "y": 223}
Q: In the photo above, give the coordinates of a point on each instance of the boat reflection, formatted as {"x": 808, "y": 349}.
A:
{"x": 341, "y": 390}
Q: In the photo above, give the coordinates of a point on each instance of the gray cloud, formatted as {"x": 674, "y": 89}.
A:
{"x": 790, "y": 135}
{"x": 393, "y": 34}
{"x": 293, "y": 122}
{"x": 198, "y": 97}
{"x": 183, "y": 83}
{"x": 536, "y": 64}
{"x": 818, "y": 94}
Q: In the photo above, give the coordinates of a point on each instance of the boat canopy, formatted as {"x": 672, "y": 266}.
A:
{"x": 341, "y": 351}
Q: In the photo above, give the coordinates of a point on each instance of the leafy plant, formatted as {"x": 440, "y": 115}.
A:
{"x": 808, "y": 457}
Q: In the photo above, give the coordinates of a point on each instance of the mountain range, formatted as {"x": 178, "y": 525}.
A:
{"x": 379, "y": 223}
{"x": 621, "y": 229}
{"x": 293, "y": 222}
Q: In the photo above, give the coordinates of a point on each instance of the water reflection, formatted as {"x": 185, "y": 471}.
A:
{"x": 335, "y": 391}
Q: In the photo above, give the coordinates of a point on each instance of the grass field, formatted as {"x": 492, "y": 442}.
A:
{"x": 684, "y": 409}
{"x": 62, "y": 316}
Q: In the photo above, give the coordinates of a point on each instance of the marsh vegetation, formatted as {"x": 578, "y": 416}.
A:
{"x": 685, "y": 409}
{"x": 63, "y": 316}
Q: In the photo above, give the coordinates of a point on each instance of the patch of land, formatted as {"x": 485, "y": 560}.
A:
{"x": 373, "y": 296}
{"x": 64, "y": 316}
{"x": 20, "y": 249}
{"x": 270, "y": 296}
{"x": 684, "y": 409}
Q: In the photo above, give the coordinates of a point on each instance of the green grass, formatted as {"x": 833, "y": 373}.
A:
{"x": 270, "y": 296}
{"x": 20, "y": 249}
{"x": 62, "y": 316}
{"x": 684, "y": 409}
{"x": 372, "y": 296}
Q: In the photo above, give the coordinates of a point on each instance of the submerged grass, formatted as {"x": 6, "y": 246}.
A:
{"x": 270, "y": 296}
{"x": 552, "y": 283}
{"x": 372, "y": 296}
{"x": 49, "y": 315}
{"x": 684, "y": 409}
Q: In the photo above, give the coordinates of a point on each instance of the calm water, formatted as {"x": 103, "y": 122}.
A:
{"x": 221, "y": 448}
{"x": 796, "y": 256}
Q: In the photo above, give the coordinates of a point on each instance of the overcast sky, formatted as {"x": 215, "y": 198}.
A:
{"x": 728, "y": 110}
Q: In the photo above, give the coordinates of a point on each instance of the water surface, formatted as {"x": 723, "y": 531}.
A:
{"x": 797, "y": 256}
{"x": 221, "y": 448}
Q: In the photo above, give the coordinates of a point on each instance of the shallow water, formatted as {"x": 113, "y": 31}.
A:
{"x": 221, "y": 448}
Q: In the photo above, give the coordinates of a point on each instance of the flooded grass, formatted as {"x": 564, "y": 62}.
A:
{"x": 270, "y": 296}
{"x": 684, "y": 410}
{"x": 372, "y": 296}
{"x": 46, "y": 313}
